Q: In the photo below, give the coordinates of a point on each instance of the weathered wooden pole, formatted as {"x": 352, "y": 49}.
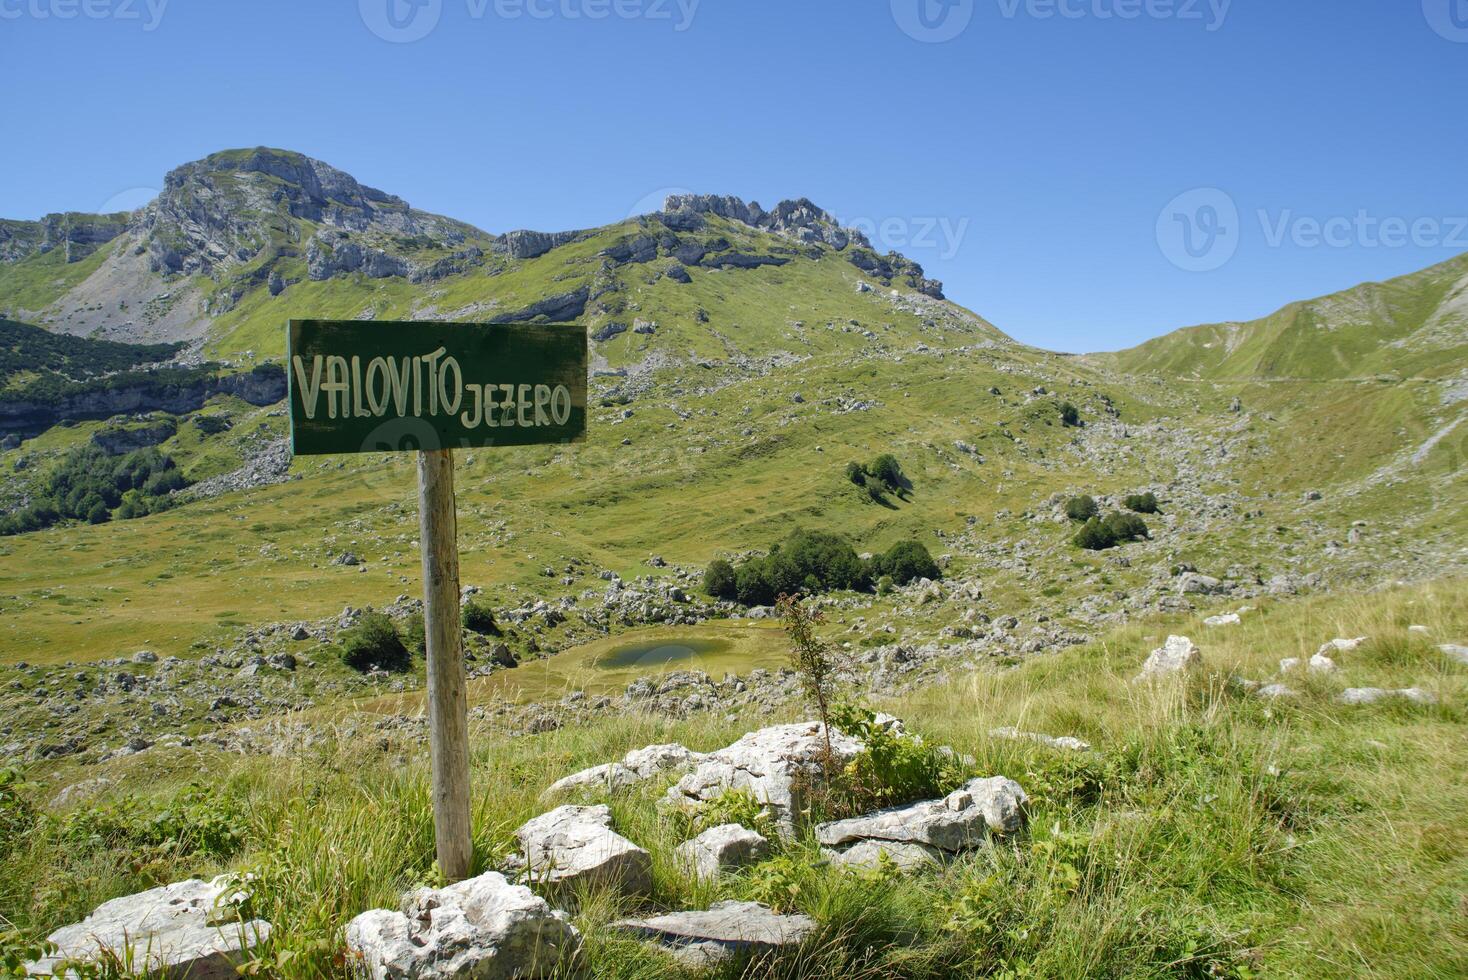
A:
{"x": 448, "y": 718}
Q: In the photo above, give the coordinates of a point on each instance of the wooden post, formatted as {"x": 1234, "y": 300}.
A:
{"x": 448, "y": 720}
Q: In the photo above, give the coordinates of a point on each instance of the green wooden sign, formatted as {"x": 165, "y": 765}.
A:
{"x": 372, "y": 386}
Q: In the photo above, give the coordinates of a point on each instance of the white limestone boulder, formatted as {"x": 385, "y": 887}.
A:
{"x": 576, "y": 845}
{"x": 635, "y": 767}
{"x": 1177, "y": 656}
{"x": 485, "y": 928}
{"x": 189, "y": 929}
{"x": 720, "y": 848}
{"x": 702, "y": 940}
{"x": 772, "y": 764}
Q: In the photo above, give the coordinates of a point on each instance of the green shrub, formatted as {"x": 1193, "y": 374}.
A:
{"x": 885, "y": 585}
{"x": 89, "y": 485}
{"x": 1069, "y": 414}
{"x": 807, "y": 561}
{"x": 1142, "y": 503}
{"x": 478, "y": 617}
{"x": 17, "y": 813}
{"x": 374, "y": 644}
{"x": 891, "y": 769}
{"x": 875, "y": 488}
{"x": 719, "y": 580}
{"x": 856, "y": 473}
{"x": 1081, "y": 508}
{"x": 1094, "y": 536}
{"x": 886, "y": 468}
{"x": 1125, "y": 527}
{"x": 751, "y": 585}
{"x": 199, "y": 820}
{"x": 906, "y": 561}
{"x": 415, "y": 636}
{"x": 211, "y": 425}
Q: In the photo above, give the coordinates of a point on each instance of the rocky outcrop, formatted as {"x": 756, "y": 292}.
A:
{"x": 190, "y": 929}
{"x": 263, "y": 385}
{"x": 120, "y": 441}
{"x": 229, "y": 207}
{"x": 800, "y": 219}
{"x": 533, "y": 244}
{"x": 893, "y": 266}
{"x": 575, "y": 845}
{"x": 721, "y": 848}
{"x": 703, "y": 940}
{"x": 556, "y": 309}
{"x": 635, "y": 767}
{"x": 956, "y": 823}
{"x": 484, "y": 928}
{"x": 331, "y": 253}
{"x": 773, "y": 764}
{"x": 77, "y": 235}
{"x": 1178, "y": 655}
{"x": 1375, "y": 695}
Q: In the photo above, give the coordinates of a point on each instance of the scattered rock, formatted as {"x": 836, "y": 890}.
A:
{"x": 1272, "y": 692}
{"x": 771, "y": 763}
{"x": 576, "y": 844}
{"x": 1062, "y": 742}
{"x": 1343, "y": 645}
{"x": 1455, "y": 652}
{"x": 1373, "y": 695}
{"x": 1192, "y": 583}
{"x": 718, "y": 848}
{"x": 1227, "y": 619}
{"x": 188, "y": 929}
{"x": 1178, "y": 654}
{"x": 637, "y": 765}
{"x": 484, "y": 928}
{"x": 700, "y": 940}
{"x": 956, "y": 823}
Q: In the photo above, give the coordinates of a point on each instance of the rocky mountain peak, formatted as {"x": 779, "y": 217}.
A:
{"x": 798, "y": 219}
{"x": 231, "y": 205}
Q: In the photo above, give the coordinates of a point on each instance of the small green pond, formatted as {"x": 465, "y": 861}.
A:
{"x": 656, "y": 653}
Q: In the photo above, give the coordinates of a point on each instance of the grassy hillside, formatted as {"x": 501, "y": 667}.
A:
{"x": 1208, "y": 833}
{"x": 1412, "y": 326}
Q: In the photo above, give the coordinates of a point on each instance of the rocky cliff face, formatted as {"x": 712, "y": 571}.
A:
{"x": 230, "y": 206}
{"x": 265, "y": 385}
{"x": 78, "y": 235}
{"x": 800, "y": 220}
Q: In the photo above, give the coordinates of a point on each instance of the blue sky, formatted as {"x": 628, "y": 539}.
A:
{"x": 1067, "y": 167}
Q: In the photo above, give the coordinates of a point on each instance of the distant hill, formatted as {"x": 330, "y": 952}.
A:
{"x": 1415, "y": 325}
{"x": 240, "y": 241}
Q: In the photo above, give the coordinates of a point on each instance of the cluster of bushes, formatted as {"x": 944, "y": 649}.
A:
{"x": 881, "y": 476}
{"x": 1142, "y": 503}
{"x": 94, "y": 487}
{"x": 1100, "y": 533}
{"x": 1069, "y": 414}
{"x": 376, "y": 642}
{"x": 810, "y": 562}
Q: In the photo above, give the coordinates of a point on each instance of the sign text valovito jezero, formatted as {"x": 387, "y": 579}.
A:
{"x": 373, "y": 386}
